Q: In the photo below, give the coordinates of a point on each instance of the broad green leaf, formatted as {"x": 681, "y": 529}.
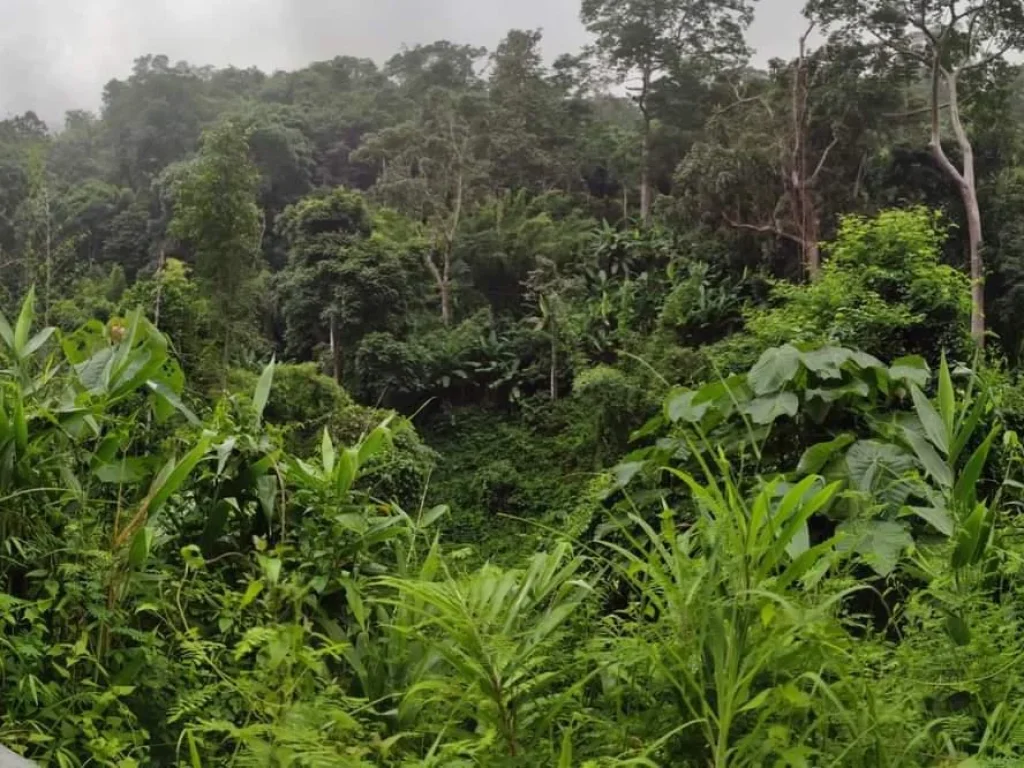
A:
{"x": 680, "y": 407}
{"x": 174, "y": 474}
{"x": 24, "y": 324}
{"x": 870, "y": 462}
{"x": 371, "y": 445}
{"x": 856, "y": 387}
{"x": 37, "y": 341}
{"x": 262, "y": 394}
{"x": 912, "y": 369}
{"x": 937, "y": 517}
{"x": 930, "y": 420}
{"x": 122, "y": 472}
{"x": 947, "y": 399}
{"x": 433, "y": 515}
{"x": 931, "y": 461}
{"x": 969, "y": 538}
{"x": 817, "y": 456}
{"x": 6, "y": 334}
{"x": 879, "y": 542}
{"x": 826, "y": 362}
{"x": 775, "y": 368}
{"x": 168, "y": 396}
{"x": 765, "y": 410}
{"x": 327, "y": 452}
{"x": 966, "y": 490}
{"x": 624, "y": 473}
{"x": 140, "y": 547}
{"x": 346, "y": 471}
{"x": 251, "y": 593}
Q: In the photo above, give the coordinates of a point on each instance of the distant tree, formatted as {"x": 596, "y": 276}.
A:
{"x": 339, "y": 284}
{"x": 216, "y": 216}
{"x": 643, "y": 40}
{"x": 952, "y": 41}
{"x": 433, "y": 168}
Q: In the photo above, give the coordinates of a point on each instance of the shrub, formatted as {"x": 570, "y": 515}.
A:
{"x": 882, "y": 290}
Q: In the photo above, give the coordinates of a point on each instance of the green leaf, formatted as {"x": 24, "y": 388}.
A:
{"x": 262, "y": 394}
{"x": 251, "y": 593}
{"x": 123, "y": 472}
{"x": 912, "y": 369}
{"x": 140, "y": 547}
{"x": 947, "y": 400}
{"x": 765, "y": 410}
{"x": 826, "y": 362}
{"x": 24, "y": 324}
{"x": 174, "y": 474}
{"x": 869, "y": 462}
{"x": 680, "y": 407}
{"x": 966, "y": 490}
{"x": 170, "y": 397}
{"x": 433, "y": 515}
{"x": 879, "y": 542}
{"x": 347, "y": 469}
{"x": 371, "y": 445}
{"x": 37, "y": 341}
{"x": 930, "y": 460}
{"x": 327, "y": 452}
{"x": 6, "y": 334}
{"x": 817, "y": 456}
{"x": 930, "y": 420}
{"x": 969, "y": 544}
{"x": 775, "y": 368}
{"x": 937, "y": 517}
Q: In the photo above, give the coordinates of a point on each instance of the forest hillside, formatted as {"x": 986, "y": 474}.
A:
{"x": 639, "y": 407}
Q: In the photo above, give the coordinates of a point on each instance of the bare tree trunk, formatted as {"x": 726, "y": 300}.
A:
{"x": 974, "y": 245}
{"x": 554, "y": 360}
{"x": 336, "y": 358}
{"x": 443, "y": 281}
{"x": 49, "y": 253}
{"x": 159, "y": 288}
{"x": 645, "y": 173}
{"x": 967, "y": 186}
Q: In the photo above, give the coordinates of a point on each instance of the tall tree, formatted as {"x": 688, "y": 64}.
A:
{"x": 789, "y": 149}
{"x": 339, "y": 283}
{"x": 642, "y": 40}
{"x": 950, "y": 41}
{"x": 216, "y": 215}
{"x": 433, "y": 168}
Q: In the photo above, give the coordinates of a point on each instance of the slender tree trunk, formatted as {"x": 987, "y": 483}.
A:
{"x": 159, "y": 288}
{"x": 645, "y": 173}
{"x": 974, "y": 245}
{"x": 49, "y": 254}
{"x": 967, "y": 186}
{"x": 443, "y": 281}
{"x": 554, "y": 360}
{"x": 336, "y": 357}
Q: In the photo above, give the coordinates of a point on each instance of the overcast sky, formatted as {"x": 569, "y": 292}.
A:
{"x": 58, "y": 54}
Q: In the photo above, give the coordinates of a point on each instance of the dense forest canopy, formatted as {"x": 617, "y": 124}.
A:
{"x": 639, "y": 407}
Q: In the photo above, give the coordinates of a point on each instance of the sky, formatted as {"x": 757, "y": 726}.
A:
{"x": 57, "y": 55}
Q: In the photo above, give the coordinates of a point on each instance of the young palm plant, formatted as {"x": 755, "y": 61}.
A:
{"x": 496, "y": 631}
{"x": 726, "y": 618}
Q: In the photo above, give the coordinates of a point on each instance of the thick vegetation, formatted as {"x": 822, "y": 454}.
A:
{"x": 441, "y": 414}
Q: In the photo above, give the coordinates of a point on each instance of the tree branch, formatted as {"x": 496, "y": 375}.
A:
{"x": 821, "y": 162}
{"x": 764, "y": 229}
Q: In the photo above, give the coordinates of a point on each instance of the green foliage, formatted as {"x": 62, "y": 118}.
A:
{"x": 882, "y": 290}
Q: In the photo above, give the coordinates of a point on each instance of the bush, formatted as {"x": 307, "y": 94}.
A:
{"x": 882, "y": 290}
